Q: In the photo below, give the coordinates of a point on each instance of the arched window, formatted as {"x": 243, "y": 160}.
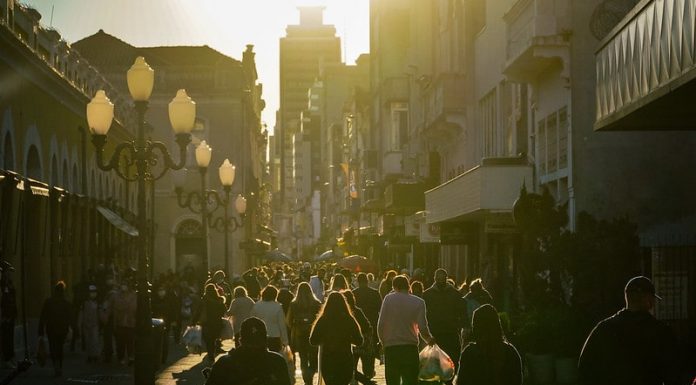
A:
{"x": 33, "y": 164}
{"x": 93, "y": 185}
{"x": 54, "y": 171}
{"x": 7, "y": 153}
{"x": 66, "y": 176}
{"x": 75, "y": 180}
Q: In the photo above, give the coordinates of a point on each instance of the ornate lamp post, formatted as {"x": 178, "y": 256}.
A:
{"x": 206, "y": 202}
{"x": 182, "y": 114}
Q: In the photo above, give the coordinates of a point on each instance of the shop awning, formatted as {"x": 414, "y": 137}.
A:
{"x": 118, "y": 221}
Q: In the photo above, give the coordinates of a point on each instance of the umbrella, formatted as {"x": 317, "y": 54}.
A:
{"x": 325, "y": 256}
{"x": 277, "y": 256}
{"x": 357, "y": 263}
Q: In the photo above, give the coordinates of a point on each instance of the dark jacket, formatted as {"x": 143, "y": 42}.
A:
{"x": 369, "y": 300}
{"x": 300, "y": 319}
{"x": 630, "y": 347}
{"x": 445, "y": 309}
{"x": 57, "y": 316}
{"x": 252, "y": 284}
{"x": 497, "y": 365}
{"x": 336, "y": 335}
{"x": 210, "y": 312}
{"x": 249, "y": 366}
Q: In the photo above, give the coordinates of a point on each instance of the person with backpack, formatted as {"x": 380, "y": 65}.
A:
{"x": 302, "y": 312}
{"x": 252, "y": 362}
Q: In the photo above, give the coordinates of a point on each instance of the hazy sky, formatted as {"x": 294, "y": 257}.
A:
{"x": 226, "y": 25}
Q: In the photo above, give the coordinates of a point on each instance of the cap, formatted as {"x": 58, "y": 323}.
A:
{"x": 253, "y": 331}
{"x": 641, "y": 284}
{"x": 92, "y": 288}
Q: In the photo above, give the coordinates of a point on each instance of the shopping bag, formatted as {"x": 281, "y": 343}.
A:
{"x": 435, "y": 365}
{"x": 290, "y": 361}
{"x": 227, "y": 332}
{"x": 193, "y": 339}
{"x": 42, "y": 352}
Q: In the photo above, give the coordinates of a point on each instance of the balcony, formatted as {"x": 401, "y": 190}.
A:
{"x": 646, "y": 68}
{"x": 444, "y": 107}
{"x": 404, "y": 198}
{"x": 392, "y": 165}
{"x": 538, "y": 34}
{"x": 395, "y": 89}
{"x": 492, "y": 186}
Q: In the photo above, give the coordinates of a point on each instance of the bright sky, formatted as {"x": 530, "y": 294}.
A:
{"x": 226, "y": 25}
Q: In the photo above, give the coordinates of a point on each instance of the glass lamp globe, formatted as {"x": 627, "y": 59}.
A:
{"x": 100, "y": 113}
{"x": 203, "y": 154}
{"x": 141, "y": 79}
{"x": 182, "y": 113}
{"x": 226, "y": 171}
{"x": 240, "y": 204}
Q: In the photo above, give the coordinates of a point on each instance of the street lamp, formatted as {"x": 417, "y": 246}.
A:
{"x": 182, "y": 114}
{"x": 205, "y": 202}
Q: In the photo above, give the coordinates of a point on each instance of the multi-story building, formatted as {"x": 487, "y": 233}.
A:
{"x": 228, "y": 106}
{"x": 306, "y": 47}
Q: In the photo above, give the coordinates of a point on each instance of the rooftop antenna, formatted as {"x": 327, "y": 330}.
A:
{"x": 52, "y": 8}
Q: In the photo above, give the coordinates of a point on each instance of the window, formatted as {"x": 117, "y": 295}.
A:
{"x": 552, "y": 142}
{"x": 488, "y": 118}
{"x": 399, "y": 126}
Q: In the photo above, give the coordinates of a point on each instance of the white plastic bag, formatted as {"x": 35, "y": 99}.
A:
{"x": 193, "y": 339}
{"x": 435, "y": 365}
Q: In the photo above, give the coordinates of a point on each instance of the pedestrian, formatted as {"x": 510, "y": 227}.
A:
{"x": 251, "y": 362}
{"x": 239, "y": 310}
{"x": 446, "y": 314}
{"x": 221, "y": 285}
{"x": 251, "y": 282}
{"x": 89, "y": 324}
{"x": 386, "y": 285}
{"x": 488, "y": 359}
{"x": 401, "y": 320}
{"x": 8, "y": 317}
{"x": 209, "y": 314}
{"x": 54, "y": 322}
{"x": 338, "y": 284}
{"x": 106, "y": 318}
{"x": 476, "y": 297}
{"x": 369, "y": 300}
{"x": 166, "y": 307}
{"x": 301, "y": 315}
{"x": 271, "y": 313}
{"x": 124, "y": 307}
{"x": 335, "y": 331}
{"x": 417, "y": 289}
{"x": 317, "y": 284}
{"x": 363, "y": 351}
{"x": 632, "y": 346}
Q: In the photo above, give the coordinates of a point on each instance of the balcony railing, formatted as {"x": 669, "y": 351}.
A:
{"x": 649, "y": 54}
{"x": 494, "y": 185}
{"x": 395, "y": 89}
{"x": 445, "y": 102}
{"x": 537, "y": 36}
{"x": 392, "y": 164}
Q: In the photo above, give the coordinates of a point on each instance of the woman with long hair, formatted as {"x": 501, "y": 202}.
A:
{"x": 339, "y": 283}
{"x": 488, "y": 359}
{"x": 302, "y": 313}
{"x": 210, "y": 313}
{"x": 335, "y": 331}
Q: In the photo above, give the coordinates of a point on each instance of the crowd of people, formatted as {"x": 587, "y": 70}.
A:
{"x": 325, "y": 320}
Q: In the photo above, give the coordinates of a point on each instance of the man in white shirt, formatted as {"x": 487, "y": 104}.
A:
{"x": 316, "y": 282}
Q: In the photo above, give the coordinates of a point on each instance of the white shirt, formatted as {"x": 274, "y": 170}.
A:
{"x": 317, "y": 287}
{"x": 271, "y": 313}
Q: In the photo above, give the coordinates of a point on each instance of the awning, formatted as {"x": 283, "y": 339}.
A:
{"x": 117, "y": 221}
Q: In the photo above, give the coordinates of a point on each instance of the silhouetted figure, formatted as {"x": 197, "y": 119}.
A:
{"x": 302, "y": 314}
{"x": 210, "y": 313}
{"x": 631, "y": 347}
{"x": 335, "y": 331}
{"x": 57, "y": 316}
{"x": 369, "y": 300}
{"x": 252, "y": 362}
{"x": 488, "y": 359}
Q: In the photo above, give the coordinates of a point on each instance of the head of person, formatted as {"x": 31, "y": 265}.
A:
{"x": 253, "y": 333}
{"x": 400, "y": 284}
{"x": 219, "y": 276}
{"x": 321, "y": 273}
{"x": 417, "y": 288}
{"x": 389, "y": 275}
{"x": 269, "y": 293}
{"x": 335, "y": 307}
{"x": 304, "y": 294}
{"x": 370, "y": 277}
{"x": 92, "y": 291}
{"x": 59, "y": 289}
{"x": 162, "y": 291}
{"x": 485, "y": 326}
{"x": 278, "y": 275}
{"x": 211, "y": 291}
{"x": 440, "y": 278}
{"x": 476, "y": 286}
{"x": 362, "y": 279}
{"x": 640, "y": 294}
{"x": 338, "y": 283}
{"x": 347, "y": 274}
{"x": 350, "y": 299}
{"x": 125, "y": 286}
{"x": 240, "y": 291}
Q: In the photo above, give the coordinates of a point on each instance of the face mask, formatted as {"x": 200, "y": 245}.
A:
{"x": 162, "y": 293}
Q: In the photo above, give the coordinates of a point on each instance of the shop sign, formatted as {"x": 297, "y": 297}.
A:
{"x": 500, "y": 223}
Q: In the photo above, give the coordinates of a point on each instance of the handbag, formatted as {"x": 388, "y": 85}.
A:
{"x": 227, "y": 332}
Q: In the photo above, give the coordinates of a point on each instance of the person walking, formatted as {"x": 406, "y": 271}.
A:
{"x": 239, "y": 310}
{"x": 125, "y": 303}
{"x": 209, "y": 314}
{"x": 317, "y": 284}
{"x": 56, "y": 318}
{"x": 166, "y": 307}
{"x": 632, "y": 346}
{"x": 446, "y": 314}
{"x": 251, "y": 362}
{"x": 401, "y": 320}
{"x": 488, "y": 359}
{"x": 363, "y": 351}
{"x": 106, "y": 318}
{"x": 369, "y": 300}
{"x": 477, "y": 296}
{"x": 335, "y": 331}
{"x": 386, "y": 285}
{"x": 89, "y": 324}
{"x": 223, "y": 288}
{"x": 251, "y": 282}
{"x": 271, "y": 313}
{"x": 301, "y": 315}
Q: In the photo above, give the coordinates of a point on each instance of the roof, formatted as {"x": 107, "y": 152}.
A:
{"x": 105, "y": 50}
